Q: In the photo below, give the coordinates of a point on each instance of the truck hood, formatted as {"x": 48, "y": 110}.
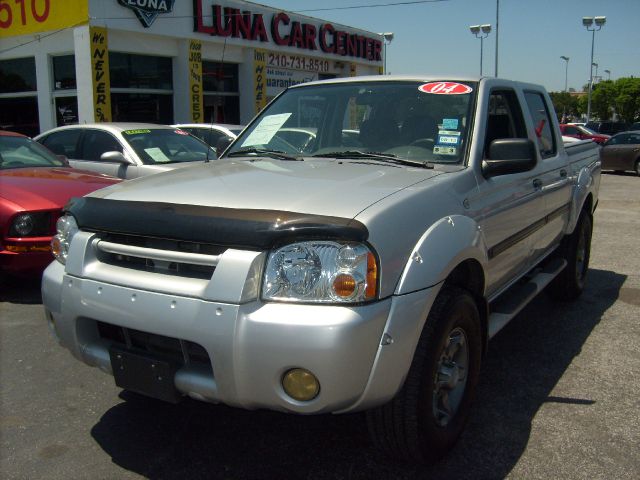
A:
{"x": 340, "y": 188}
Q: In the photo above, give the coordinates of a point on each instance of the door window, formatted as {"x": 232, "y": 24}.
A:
{"x": 64, "y": 142}
{"x": 505, "y": 118}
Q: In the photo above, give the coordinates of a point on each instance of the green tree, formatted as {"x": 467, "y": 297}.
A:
{"x": 603, "y": 99}
{"x": 627, "y": 100}
{"x": 565, "y": 104}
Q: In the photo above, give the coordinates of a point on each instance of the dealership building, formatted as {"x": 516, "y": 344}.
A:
{"x": 163, "y": 61}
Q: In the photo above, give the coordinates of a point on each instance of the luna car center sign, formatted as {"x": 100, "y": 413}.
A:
{"x": 280, "y": 29}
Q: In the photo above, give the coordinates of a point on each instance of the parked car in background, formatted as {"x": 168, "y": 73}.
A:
{"x": 212, "y": 133}
{"x": 126, "y": 150}
{"x": 610, "y": 128}
{"x": 34, "y": 186}
{"x": 582, "y": 133}
{"x": 622, "y": 152}
{"x": 635, "y": 126}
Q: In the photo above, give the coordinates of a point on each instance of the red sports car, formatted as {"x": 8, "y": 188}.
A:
{"x": 583, "y": 133}
{"x": 34, "y": 186}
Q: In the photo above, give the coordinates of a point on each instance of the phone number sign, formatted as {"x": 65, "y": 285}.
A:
{"x": 24, "y": 17}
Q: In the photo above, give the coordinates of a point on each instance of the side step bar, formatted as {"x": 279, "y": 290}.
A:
{"x": 509, "y": 304}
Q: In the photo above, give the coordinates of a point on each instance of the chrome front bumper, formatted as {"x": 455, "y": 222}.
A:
{"x": 360, "y": 355}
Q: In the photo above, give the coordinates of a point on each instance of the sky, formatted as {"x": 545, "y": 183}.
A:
{"x": 434, "y": 38}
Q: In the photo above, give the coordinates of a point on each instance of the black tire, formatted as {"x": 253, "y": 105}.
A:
{"x": 411, "y": 427}
{"x": 576, "y": 250}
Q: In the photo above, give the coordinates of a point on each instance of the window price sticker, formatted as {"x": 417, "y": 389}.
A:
{"x": 448, "y": 140}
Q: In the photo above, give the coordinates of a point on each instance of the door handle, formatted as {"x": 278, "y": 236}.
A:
{"x": 563, "y": 173}
{"x": 537, "y": 184}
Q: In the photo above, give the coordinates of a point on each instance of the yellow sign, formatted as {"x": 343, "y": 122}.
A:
{"x": 100, "y": 74}
{"x": 195, "y": 80}
{"x": 260, "y": 78}
{"x": 22, "y": 17}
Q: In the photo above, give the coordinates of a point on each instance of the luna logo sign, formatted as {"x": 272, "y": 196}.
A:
{"x": 148, "y": 10}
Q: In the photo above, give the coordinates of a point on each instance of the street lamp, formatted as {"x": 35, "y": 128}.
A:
{"x": 481, "y": 32}
{"x": 596, "y": 75}
{"x": 608, "y": 72}
{"x": 566, "y": 70}
{"x": 588, "y": 23}
{"x": 388, "y": 36}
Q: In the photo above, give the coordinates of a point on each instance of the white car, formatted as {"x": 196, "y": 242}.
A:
{"x": 212, "y": 133}
{"x": 126, "y": 150}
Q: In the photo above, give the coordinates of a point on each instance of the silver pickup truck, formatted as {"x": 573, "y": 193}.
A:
{"x": 366, "y": 270}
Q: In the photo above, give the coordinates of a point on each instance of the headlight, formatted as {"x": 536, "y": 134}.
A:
{"x": 35, "y": 224}
{"x": 23, "y": 224}
{"x": 66, "y": 227}
{"x": 321, "y": 272}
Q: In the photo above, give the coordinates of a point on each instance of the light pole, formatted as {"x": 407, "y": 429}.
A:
{"x": 588, "y": 23}
{"x": 608, "y": 72}
{"x": 566, "y": 70}
{"x": 497, "y": 32}
{"x": 481, "y": 32}
{"x": 387, "y": 37}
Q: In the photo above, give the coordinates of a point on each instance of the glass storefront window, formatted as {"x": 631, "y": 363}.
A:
{"x": 20, "y": 114}
{"x": 140, "y": 71}
{"x": 219, "y": 77}
{"x": 221, "y": 109}
{"x": 142, "y": 107}
{"x": 18, "y": 75}
{"x": 64, "y": 72}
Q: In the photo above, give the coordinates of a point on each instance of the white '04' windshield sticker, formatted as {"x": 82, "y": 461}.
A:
{"x": 266, "y": 129}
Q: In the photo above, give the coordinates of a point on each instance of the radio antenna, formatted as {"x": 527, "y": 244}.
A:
{"x": 220, "y": 74}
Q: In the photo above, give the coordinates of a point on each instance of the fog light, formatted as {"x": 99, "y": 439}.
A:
{"x": 300, "y": 384}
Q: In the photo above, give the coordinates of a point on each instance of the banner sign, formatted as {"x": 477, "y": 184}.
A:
{"x": 260, "y": 79}
{"x": 23, "y": 17}
{"x": 195, "y": 80}
{"x": 100, "y": 74}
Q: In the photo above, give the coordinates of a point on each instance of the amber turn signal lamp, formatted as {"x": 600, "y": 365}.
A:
{"x": 372, "y": 277}
{"x": 344, "y": 285}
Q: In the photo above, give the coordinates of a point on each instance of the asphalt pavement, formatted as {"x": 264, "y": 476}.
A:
{"x": 558, "y": 397}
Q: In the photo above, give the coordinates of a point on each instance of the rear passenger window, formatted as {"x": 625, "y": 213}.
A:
{"x": 541, "y": 123}
{"x": 97, "y": 142}
{"x": 64, "y": 142}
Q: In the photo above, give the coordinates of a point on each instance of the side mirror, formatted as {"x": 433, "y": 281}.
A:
{"x": 116, "y": 157}
{"x": 222, "y": 144}
{"x": 509, "y": 155}
{"x": 63, "y": 159}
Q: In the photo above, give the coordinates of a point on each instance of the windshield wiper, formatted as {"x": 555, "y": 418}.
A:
{"x": 264, "y": 152}
{"x": 387, "y": 157}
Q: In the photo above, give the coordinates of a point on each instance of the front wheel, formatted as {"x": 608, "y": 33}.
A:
{"x": 427, "y": 415}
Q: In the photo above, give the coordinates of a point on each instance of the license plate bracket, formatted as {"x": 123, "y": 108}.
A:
{"x": 143, "y": 373}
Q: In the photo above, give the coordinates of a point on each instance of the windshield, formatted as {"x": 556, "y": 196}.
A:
{"x": 158, "y": 146}
{"x": 586, "y": 131}
{"x": 411, "y": 120}
{"x": 21, "y": 152}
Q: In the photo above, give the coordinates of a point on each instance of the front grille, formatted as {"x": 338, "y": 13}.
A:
{"x": 169, "y": 257}
{"x": 180, "y": 352}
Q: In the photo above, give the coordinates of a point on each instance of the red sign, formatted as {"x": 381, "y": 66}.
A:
{"x": 445, "y": 88}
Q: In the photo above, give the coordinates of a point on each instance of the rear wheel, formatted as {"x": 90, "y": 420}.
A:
{"x": 426, "y": 417}
{"x": 576, "y": 250}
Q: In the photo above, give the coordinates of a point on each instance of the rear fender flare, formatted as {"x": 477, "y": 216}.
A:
{"x": 584, "y": 185}
{"x": 447, "y": 243}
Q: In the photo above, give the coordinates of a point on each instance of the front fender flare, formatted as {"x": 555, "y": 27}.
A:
{"x": 447, "y": 243}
